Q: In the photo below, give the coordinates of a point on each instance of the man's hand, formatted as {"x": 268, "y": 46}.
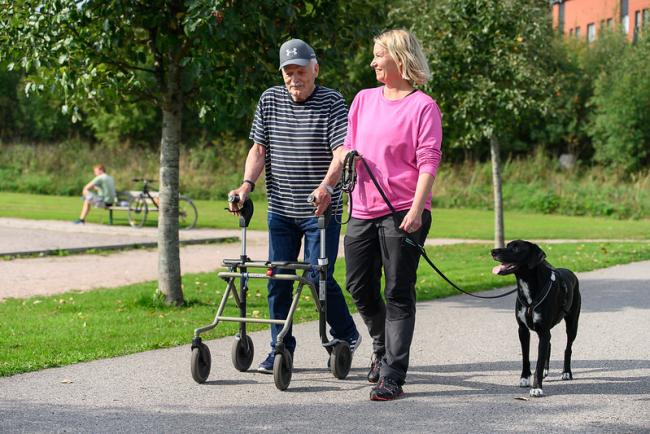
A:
{"x": 243, "y": 191}
{"x": 87, "y": 188}
{"x": 322, "y": 199}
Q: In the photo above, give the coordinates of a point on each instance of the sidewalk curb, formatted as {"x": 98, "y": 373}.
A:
{"x": 124, "y": 246}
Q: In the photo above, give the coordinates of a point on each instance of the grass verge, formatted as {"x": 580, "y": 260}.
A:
{"x": 42, "y": 332}
{"x": 447, "y": 223}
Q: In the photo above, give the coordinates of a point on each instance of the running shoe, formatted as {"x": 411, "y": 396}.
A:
{"x": 386, "y": 390}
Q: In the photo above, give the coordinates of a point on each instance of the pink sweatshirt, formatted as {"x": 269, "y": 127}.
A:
{"x": 399, "y": 140}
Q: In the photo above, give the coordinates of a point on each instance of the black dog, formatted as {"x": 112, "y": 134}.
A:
{"x": 545, "y": 295}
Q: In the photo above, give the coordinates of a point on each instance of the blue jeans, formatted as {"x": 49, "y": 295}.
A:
{"x": 285, "y": 239}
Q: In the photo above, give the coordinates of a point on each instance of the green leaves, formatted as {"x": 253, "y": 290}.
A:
{"x": 486, "y": 60}
{"x": 621, "y": 121}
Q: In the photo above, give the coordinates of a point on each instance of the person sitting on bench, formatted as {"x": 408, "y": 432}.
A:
{"x": 100, "y": 192}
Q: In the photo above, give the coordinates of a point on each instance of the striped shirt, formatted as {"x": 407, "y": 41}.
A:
{"x": 299, "y": 138}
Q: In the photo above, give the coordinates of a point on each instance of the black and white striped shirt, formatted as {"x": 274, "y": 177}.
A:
{"x": 299, "y": 138}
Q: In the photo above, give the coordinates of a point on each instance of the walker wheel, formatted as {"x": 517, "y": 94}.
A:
{"x": 341, "y": 360}
{"x": 201, "y": 362}
{"x": 282, "y": 366}
{"x": 242, "y": 353}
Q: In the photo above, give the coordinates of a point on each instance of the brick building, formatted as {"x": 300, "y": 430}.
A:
{"x": 585, "y": 19}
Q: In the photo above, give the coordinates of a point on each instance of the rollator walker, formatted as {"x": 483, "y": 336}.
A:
{"x": 340, "y": 356}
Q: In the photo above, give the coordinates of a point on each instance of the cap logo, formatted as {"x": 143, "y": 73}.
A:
{"x": 292, "y": 52}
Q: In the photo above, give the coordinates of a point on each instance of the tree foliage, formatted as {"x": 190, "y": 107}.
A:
{"x": 621, "y": 119}
{"x": 489, "y": 61}
{"x": 210, "y": 54}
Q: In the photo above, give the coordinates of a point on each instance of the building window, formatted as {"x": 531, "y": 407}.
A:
{"x": 570, "y": 32}
{"x": 625, "y": 18}
{"x": 646, "y": 17}
{"x": 591, "y": 32}
{"x": 577, "y": 32}
{"x": 560, "y": 18}
{"x": 610, "y": 23}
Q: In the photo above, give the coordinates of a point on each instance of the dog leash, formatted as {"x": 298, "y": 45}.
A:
{"x": 349, "y": 179}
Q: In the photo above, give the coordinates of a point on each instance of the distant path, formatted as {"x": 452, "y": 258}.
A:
{"x": 50, "y": 275}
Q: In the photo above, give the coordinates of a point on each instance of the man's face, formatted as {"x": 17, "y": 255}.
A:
{"x": 300, "y": 80}
{"x": 97, "y": 171}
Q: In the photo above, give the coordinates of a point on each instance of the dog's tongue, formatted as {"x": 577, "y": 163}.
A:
{"x": 499, "y": 268}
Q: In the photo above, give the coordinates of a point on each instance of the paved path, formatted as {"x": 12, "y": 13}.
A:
{"x": 20, "y": 235}
{"x": 464, "y": 367}
{"x": 51, "y": 274}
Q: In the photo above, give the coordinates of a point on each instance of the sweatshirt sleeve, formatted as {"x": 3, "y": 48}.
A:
{"x": 429, "y": 151}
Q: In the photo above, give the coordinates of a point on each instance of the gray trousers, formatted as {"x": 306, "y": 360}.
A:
{"x": 371, "y": 245}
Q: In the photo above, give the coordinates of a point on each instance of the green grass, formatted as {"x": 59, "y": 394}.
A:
{"x": 42, "y": 332}
{"x": 447, "y": 223}
{"x": 534, "y": 183}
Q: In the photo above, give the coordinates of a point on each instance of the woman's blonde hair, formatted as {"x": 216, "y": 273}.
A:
{"x": 407, "y": 52}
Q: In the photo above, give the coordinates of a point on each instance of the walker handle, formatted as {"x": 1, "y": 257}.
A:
{"x": 323, "y": 219}
{"x": 245, "y": 212}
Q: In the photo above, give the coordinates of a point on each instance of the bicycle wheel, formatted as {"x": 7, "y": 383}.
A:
{"x": 138, "y": 211}
{"x": 187, "y": 213}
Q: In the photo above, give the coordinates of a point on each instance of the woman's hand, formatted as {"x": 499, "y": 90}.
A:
{"x": 412, "y": 221}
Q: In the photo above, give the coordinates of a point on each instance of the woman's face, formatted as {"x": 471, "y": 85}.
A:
{"x": 386, "y": 69}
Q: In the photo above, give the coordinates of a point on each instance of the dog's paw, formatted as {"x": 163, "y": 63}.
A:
{"x": 536, "y": 393}
{"x": 545, "y": 373}
{"x": 524, "y": 382}
{"x": 567, "y": 376}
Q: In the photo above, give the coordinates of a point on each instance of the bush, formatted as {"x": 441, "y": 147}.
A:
{"x": 621, "y": 123}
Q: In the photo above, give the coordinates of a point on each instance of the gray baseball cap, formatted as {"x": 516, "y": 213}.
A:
{"x": 295, "y": 52}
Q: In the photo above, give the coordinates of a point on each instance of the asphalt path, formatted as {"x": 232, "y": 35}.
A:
{"x": 465, "y": 364}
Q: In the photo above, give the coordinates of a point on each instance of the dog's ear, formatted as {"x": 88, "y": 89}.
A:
{"x": 535, "y": 255}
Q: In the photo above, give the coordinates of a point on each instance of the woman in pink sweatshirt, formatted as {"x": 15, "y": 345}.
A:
{"x": 397, "y": 130}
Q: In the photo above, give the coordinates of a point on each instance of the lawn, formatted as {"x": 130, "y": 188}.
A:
{"x": 42, "y": 332}
{"x": 447, "y": 223}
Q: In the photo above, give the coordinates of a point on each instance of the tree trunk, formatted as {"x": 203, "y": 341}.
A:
{"x": 496, "y": 186}
{"x": 169, "y": 265}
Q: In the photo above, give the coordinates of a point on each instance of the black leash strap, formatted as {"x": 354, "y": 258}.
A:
{"x": 348, "y": 181}
{"x": 409, "y": 238}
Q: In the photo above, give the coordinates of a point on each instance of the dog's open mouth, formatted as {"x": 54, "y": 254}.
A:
{"x": 504, "y": 268}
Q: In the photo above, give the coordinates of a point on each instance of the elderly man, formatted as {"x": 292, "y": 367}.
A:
{"x": 297, "y": 129}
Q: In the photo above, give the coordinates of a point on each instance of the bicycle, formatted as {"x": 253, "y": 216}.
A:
{"x": 145, "y": 201}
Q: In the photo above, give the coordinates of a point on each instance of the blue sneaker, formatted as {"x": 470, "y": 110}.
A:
{"x": 354, "y": 343}
{"x": 79, "y": 222}
{"x": 266, "y": 367}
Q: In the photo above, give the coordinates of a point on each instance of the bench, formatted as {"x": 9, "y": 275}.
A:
{"x": 122, "y": 204}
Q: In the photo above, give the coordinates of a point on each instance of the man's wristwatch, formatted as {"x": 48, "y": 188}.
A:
{"x": 329, "y": 188}
{"x": 251, "y": 183}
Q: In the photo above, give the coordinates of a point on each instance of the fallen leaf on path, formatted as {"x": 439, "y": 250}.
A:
{"x": 67, "y": 381}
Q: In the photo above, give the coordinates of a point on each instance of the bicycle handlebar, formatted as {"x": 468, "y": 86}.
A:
{"x": 143, "y": 180}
